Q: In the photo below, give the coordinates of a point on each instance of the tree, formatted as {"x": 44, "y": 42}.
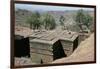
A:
{"x": 88, "y": 20}
{"x": 49, "y": 22}
{"x": 83, "y": 19}
{"x": 80, "y": 18}
{"x": 62, "y": 19}
{"x": 34, "y": 21}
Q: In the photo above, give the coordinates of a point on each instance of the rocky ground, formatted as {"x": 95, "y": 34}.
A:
{"x": 23, "y": 61}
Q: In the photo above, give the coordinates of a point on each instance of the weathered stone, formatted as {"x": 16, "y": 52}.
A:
{"x": 47, "y": 46}
{"x": 44, "y": 44}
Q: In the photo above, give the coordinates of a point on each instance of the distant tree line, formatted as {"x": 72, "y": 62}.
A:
{"x": 35, "y": 21}
{"x": 48, "y": 21}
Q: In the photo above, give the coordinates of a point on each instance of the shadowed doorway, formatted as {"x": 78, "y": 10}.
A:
{"x": 58, "y": 51}
{"x": 21, "y": 46}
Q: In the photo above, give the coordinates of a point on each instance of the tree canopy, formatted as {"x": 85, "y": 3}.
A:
{"x": 49, "y": 22}
{"x": 61, "y": 20}
{"x": 34, "y": 21}
{"x": 83, "y": 19}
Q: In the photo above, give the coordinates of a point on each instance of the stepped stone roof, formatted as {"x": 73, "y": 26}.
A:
{"x": 49, "y": 37}
{"x": 52, "y": 36}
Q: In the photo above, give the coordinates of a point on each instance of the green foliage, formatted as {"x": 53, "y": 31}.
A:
{"x": 80, "y": 16}
{"x": 83, "y": 19}
{"x": 61, "y": 20}
{"x": 49, "y": 22}
{"x": 34, "y": 21}
{"x": 88, "y": 20}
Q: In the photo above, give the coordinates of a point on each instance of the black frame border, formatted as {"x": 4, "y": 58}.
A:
{"x": 12, "y": 19}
